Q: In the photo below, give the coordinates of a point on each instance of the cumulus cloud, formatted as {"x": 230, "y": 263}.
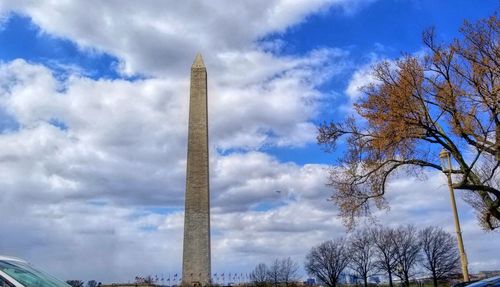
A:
{"x": 82, "y": 241}
{"x": 360, "y": 78}
{"x": 105, "y": 241}
{"x": 119, "y": 140}
{"x": 255, "y": 97}
{"x": 87, "y": 151}
{"x": 256, "y": 180}
{"x": 155, "y": 37}
{"x": 94, "y": 138}
{"x": 124, "y": 141}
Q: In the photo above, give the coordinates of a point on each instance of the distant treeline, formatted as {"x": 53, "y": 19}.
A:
{"x": 399, "y": 254}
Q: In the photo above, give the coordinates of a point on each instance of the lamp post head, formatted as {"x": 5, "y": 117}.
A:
{"x": 444, "y": 156}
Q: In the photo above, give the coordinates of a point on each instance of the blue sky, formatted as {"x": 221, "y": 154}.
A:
{"x": 21, "y": 38}
{"x": 93, "y": 120}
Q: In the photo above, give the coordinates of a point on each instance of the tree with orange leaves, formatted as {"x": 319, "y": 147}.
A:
{"x": 448, "y": 99}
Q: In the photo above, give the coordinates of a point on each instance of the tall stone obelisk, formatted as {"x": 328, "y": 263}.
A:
{"x": 196, "y": 255}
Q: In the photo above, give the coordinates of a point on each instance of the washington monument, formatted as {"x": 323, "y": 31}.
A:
{"x": 196, "y": 255}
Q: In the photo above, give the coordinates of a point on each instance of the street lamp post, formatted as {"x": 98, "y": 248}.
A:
{"x": 445, "y": 158}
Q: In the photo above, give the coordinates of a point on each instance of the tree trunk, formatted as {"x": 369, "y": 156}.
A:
{"x": 497, "y": 143}
{"x": 390, "y": 277}
{"x": 365, "y": 279}
{"x": 434, "y": 278}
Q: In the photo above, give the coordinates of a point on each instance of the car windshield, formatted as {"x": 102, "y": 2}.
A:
{"x": 28, "y": 276}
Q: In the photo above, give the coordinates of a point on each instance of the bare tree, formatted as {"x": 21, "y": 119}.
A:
{"x": 149, "y": 279}
{"x": 440, "y": 250}
{"x": 274, "y": 273}
{"x": 385, "y": 250}
{"x": 407, "y": 249}
{"x": 289, "y": 270}
{"x": 361, "y": 253}
{"x": 91, "y": 283}
{"x": 75, "y": 283}
{"x": 259, "y": 275}
{"x": 447, "y": 100}
{"x": 327, "y": 261}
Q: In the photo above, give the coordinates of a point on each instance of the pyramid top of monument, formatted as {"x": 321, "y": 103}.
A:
{"x": 198, "y": 62}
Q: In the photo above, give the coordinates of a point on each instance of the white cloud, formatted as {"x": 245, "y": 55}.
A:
{"x": 113, "y": 144}
{"x": 89, "y": 151}
{"x": 82, "y": 241}
{"x": 105, "y": 242}
{"x": 243, "y": 181}
{"x": 257, "y": 99}
{"x": 363, "y": 75}
{"x": 156, "y": 37}
{"x": 360, "y": 78}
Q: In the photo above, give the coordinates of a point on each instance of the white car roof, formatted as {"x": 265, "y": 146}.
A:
{"x": 11, "y": 258}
